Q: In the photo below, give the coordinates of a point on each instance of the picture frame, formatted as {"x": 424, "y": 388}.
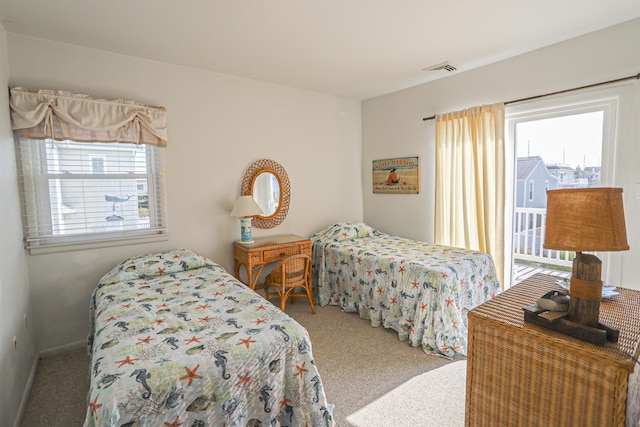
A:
{"x": 399, "y": 175}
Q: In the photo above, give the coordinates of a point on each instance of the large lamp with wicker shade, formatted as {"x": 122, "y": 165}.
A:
{"x": 581, "y": 220}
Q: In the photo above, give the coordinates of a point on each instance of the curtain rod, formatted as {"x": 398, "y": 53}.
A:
{"x": 637, "y": 77}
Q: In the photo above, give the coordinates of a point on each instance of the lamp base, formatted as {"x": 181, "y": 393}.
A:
{"x": 245, "y": 230}
{"x": 585, "y": 289}
{"x": 585, "y": 294}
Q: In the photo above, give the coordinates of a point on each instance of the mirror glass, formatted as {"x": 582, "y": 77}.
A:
{"x": 266, "y": 192}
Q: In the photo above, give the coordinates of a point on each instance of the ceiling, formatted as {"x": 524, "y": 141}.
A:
{"x": 351, "y": 48}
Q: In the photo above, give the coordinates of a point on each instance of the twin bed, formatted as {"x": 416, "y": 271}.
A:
{"x": 177, "y": 341}
{"x": 420, "y": 290}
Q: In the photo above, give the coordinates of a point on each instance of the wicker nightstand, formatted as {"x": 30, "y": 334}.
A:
{"x": 266, "y": 250}
{"x": 520, "y": 374}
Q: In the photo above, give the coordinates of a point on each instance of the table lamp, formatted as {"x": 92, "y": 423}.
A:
{"x": 246, "y": 208}
{"x": 586, "y": 219}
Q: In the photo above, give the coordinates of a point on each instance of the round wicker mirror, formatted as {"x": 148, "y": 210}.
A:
{"x": 268, "y": 183}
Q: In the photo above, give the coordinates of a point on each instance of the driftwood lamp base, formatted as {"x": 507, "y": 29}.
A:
{"x": 585, "y": 294}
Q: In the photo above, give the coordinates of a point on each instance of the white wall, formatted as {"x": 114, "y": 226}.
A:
{"x": 392, "y": 125}
{"x": 218, "y": 125}
{"x": 16, "y": 364}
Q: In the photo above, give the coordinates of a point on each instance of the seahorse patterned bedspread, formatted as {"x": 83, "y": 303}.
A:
{"x": 177, "y": 341}
{"x": 422, "y": 291}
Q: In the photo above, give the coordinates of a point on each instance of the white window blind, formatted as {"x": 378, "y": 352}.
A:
{"x": 86, "y": 192}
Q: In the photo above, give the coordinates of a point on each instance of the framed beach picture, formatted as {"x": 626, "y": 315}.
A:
{"x": 399, "y": 175}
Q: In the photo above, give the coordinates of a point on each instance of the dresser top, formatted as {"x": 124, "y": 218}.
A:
{"x": 621, "y": 311}
{"x": 272, "y": 240}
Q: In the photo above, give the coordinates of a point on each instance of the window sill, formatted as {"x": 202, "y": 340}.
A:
{"x": 81, "y": 246}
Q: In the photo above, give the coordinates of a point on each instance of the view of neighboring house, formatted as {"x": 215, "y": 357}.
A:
{"x": 591, "y": 174}
{"x": 564, "y": 173}
{"x": 575, "y": 178}
{"x": 533, "y": 179}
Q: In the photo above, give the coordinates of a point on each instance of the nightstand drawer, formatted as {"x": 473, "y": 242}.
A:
{"x": 271, "y": 255}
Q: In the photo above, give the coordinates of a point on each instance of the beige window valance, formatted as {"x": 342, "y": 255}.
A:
{"x": 61, "y": 115}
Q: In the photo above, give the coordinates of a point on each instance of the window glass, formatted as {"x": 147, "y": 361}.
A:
{"x": 77, "y": 192}
{"x": 564, "y": 142}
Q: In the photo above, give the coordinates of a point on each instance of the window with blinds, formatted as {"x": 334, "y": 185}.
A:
{"x": 75, "y": 192}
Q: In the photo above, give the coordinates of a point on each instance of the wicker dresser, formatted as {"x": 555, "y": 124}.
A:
{"x": 266, "y": 250}
{"x": 520, "y": 374}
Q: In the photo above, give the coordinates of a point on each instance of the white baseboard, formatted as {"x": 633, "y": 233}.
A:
{"x": 54, "y": 351}
{"x": 27, "y": 391}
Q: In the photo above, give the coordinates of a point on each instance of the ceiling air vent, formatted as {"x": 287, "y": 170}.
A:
{"x": 446, "y": 67}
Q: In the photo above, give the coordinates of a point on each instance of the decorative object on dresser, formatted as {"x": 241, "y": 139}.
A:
{"x": 246, "y": 208}
{"x": 520, "y": 374}
{"x": 583, "y": 219}
{"x": 266, "y": 250}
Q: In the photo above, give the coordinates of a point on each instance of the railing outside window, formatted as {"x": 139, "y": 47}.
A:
{"x": 528, "y": 235}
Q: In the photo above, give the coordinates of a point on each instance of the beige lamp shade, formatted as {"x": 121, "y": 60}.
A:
{"x": 246, "y": 206}
{"x": 585, "y": 219}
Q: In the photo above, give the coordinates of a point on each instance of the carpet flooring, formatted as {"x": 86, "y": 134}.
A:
{"x": 433, "y": 408}
{"x": 373, "y": 378}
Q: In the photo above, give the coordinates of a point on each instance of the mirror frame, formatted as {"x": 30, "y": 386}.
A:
{"x": 252, "y": 172}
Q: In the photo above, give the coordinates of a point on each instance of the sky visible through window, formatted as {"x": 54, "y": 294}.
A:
{"x": 575, "y": 140}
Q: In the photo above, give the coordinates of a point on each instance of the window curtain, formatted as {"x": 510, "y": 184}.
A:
{"x": 470, "y": 187}
{"x": 61, "y": 115}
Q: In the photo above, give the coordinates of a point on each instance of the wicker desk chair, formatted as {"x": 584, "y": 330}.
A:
{"x": 288, "y": 275}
